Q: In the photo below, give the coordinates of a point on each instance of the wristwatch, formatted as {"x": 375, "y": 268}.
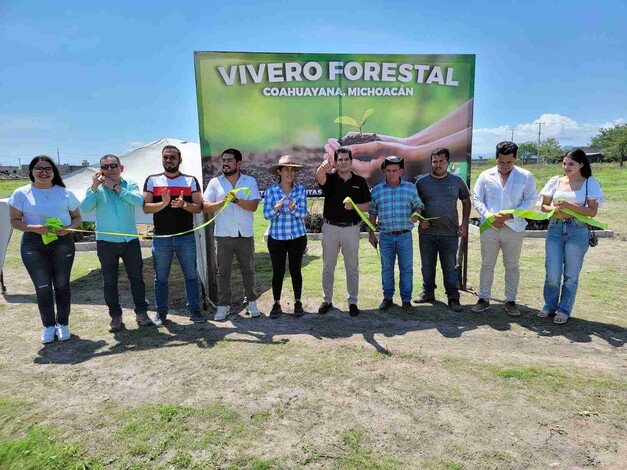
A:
{"x": 235, "y": 200}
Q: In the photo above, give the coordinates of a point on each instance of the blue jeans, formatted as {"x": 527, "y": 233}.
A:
{"x": 50, "y": 265}
{"x": 109, "y": 254}
{"x": 163, "y": 250}
{"x": 430, "y": 247}
{"x": 566, "y": 246}
{"x": 390, "y": 247}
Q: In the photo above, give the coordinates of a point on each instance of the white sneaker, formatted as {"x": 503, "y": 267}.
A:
{"x": 48, "y": 335}
{"x": 222, "y": 313}
{"x": 63, "y": 332}
{"x": 253, "y": 310}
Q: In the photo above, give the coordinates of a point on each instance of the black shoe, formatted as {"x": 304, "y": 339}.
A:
{"x": 116, "y": 324}
{"x": 325, "y": 307}
{"x": 276, "y": 311}
{"x": 454, "y": 305}
{"x": 353, "y": 310}
{"x": 385, "y": 304}
{"x": 298, "y": 309}
{"x": 425, "y": 298}
{"x": 197, "y": 317}
{"x": 511, "y": 308}
{"x": 407, "y": 307}
{"x": 481, "y": 306}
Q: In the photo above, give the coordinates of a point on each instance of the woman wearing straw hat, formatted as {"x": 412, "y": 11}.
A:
{"x": 285, "y": 206}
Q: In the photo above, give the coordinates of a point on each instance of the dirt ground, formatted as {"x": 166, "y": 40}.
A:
{"x": 426, "y": 390}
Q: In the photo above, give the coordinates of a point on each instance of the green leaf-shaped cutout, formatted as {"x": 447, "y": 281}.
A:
{"x": 349, "y": 121}
{"x": 367, "y": 114}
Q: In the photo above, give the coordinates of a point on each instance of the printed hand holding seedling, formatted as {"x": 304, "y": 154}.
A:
{"x": 452, "y": 132}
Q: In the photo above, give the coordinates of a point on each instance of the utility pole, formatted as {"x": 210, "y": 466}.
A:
{"x": 539, "y": 131}
{"x": 58, "y": 157}
{"x": 512, "y": 139}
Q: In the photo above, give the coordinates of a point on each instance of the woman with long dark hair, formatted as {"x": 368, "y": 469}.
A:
{"x": 48, "y": 264}
{"x": 567, "y": 238}
{"x": 285, "y": 206}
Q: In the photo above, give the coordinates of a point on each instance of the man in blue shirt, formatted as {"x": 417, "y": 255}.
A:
{"x": 393, "y": 207}
{"x": 114, "y": 199}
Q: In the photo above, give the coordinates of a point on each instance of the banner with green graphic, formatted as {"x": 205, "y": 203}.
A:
{"x": 307, "y": 105}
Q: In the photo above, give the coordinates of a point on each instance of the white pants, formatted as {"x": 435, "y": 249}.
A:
{"x": 493, "y": 240}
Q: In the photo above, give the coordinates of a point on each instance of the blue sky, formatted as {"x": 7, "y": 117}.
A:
{"x": 105, "y": 77}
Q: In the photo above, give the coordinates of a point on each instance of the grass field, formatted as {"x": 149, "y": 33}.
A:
{"x": 430, "y": 390}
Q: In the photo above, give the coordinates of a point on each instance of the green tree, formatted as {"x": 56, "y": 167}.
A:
{"x": 527, "y": 150}
{"x": 613, "y": 141}
{"x": 551, "y": 151}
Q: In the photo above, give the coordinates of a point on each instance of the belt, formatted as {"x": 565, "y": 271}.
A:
{"x": 397, "y": 232}
{"x": 342, "y": 224}
{"x": 567, "y": 220}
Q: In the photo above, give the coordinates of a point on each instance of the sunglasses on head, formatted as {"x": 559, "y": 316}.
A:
{"x": 44, "y": 169}
{"x": 106, "y": 166}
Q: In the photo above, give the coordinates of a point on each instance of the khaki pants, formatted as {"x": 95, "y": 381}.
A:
{"x": 347, "y": 239}
{"x": 510, "y": 242}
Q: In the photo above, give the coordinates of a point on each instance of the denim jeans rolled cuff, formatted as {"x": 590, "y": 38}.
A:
{"x": 109, "y": 254}
{"x": 432, "y": 246}
{"x": 566, "y": 246}
{"x": 392, "y": 247}
{"x": 163, "y": 251}
{"x": 49, "y": 267}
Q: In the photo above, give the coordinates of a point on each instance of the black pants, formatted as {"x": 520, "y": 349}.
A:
{"x": 279, "y": 251}
{"x": 109, "y": 254}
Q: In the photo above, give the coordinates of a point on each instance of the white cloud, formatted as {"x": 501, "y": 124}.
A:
{"x": 566, "y": 130}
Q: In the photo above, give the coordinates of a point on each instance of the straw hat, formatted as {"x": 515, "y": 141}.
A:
{"x": 285, "y": 160}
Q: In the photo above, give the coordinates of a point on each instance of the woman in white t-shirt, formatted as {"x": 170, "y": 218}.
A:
{"x": 48, "y": 265}
{"x": 567, "y": 238}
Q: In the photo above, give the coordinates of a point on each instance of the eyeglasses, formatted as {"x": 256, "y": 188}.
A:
{"x": 106, "y": 166}
{"x": 44, "y": 169}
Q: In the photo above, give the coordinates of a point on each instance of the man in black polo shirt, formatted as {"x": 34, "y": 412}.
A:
{"x": 341, "y": 225}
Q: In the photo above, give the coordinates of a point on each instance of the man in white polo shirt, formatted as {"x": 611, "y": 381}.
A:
{"x": 505, "y": 186}
{"x": 233, "y": 230}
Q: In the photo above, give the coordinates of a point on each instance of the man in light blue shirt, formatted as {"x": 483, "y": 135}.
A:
{"x": 114, "y": 199}
{"x": 503, "y": 187}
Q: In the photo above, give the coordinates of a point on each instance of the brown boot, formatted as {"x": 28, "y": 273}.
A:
{"x": 143, "y": 319}
{"x": 116, "y": 324}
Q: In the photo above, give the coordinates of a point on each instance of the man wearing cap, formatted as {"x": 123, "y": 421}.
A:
{"x": 505, "y": 186}
{"x": 440, "y": 192}
{"x": 394, "y": 207}
{"x": 340, "y": 229}
{"x": 114, "y": 199}
{"x": 173, "y": 198}
{"x": 233, "y": 230}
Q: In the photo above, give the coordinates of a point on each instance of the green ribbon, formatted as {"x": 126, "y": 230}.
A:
{"x": 416, "y": 214}
{"x": 56, "y": 224}
{"x": 532, "y": 215}
{"x": 361, "y": 214}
